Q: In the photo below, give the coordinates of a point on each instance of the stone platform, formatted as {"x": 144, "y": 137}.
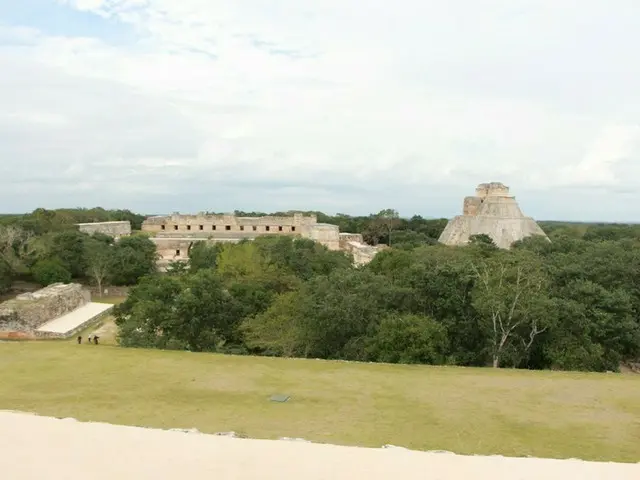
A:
{"x": 74, "y": 321}
{"x": 41, "y": 447}
{"x": 56, "y": 311}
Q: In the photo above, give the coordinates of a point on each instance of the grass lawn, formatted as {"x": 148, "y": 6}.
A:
{"x": 515, "y": 413}
{"x": 106, "y": 328}
{"x": 108, "y": 299}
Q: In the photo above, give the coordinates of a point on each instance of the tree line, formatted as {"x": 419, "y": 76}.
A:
{"x": 569, "y": 304}
{"x": 385, "y": 227}
{"x": 42, "y": 221}
{"x": 46, "y": 247}
{"x": 572, "y": 303}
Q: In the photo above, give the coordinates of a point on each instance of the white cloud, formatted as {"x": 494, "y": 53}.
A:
{"x": 615, "y": 143}
{"x": 245, "y": 104}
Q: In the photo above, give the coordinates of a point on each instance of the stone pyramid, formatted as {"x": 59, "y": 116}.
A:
{"x": 494, "y": 212}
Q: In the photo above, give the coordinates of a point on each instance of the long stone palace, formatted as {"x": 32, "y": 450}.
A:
{"x": 175, "y": 234}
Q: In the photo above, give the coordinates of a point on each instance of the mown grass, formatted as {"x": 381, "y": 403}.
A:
{"x": 106, "y": 328}
{"x": 108, "y": 299}
{"x": 470, "y": 411}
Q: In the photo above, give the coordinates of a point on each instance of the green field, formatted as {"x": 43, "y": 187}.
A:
{"x": 482, "y": 411}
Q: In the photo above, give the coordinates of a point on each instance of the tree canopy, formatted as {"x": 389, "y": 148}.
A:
{"x": 569, "y": 303}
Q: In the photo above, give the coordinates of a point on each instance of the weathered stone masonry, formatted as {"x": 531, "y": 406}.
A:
{"x": 175, "y": 234}
{"x": 56, "y": 311}
{"x": 493, "y": 211}
{"x": 28, "y": 311}
{"x": 113, "y": 229}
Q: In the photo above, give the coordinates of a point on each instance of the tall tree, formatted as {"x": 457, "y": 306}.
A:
{"x": 203, "y": 255}
{"x": 389, "y": 219}
{"x": 277, "y": 331}
{"x": 511, "y": 298}
{"x": 193, "y": 311}
{"x": 147, "y": 317}
{"x": 99, "y": 262}
{"x": 133, "y": 258}
{"x": 69, "y": 247}
{"x": 14, "y": 246}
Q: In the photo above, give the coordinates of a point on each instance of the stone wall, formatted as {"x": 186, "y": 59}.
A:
{"x": 361, "y": 252}
{"x": 113, "y": 229}
{"x": 492, "y": 189}
{"x": 174, "y": 249}
{"x": 345, "y": 238}
{"x": 174, "y": 234}
{"x": 75, "y": 330}
{"x": 28, "y": 311}
{"x": 471, "y": 205}
{"x": 15, "y": 335}
{"x": 326, "y": 234}
{"x": 224, "y": 226}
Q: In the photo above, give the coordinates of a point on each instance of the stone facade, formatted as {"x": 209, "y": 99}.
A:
{"x": 346, "y": 238}
{"x": 492, "y": 211}
{"x": 28, "y": 311}
{"x": 355, "y": 245}
{"x": 113, "y": 229}
{"x": 75, "y": 321}
{"x": 175, "y": 234}
{"x": 57, "y": 311}
{"x": 228, "y": 227}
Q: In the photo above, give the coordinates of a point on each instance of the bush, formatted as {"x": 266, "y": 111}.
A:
{"x": 46, "y": 272}
{"x": 408, "y": 339}
{"x": 132, "y": 258}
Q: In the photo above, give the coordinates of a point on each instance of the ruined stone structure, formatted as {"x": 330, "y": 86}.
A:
{"x": 175, "y": 234}
{"x": 354, "y": 244}
{"x": 492, "y": 211}
{"x": 27, "y": 314}
{"x": 113, "y": 229}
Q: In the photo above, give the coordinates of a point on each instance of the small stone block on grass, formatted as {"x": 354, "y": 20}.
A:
{"x": 279, "y": 398}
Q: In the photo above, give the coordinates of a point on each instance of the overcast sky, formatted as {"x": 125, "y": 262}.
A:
{"x": 336, "y": 105}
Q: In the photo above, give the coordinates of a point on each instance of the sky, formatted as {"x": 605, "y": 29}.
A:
{"x": 334, "y": 105}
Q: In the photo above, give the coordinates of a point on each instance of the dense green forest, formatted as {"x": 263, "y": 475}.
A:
{"x": 572, "y": 303}
{"x": 45, "y": 246}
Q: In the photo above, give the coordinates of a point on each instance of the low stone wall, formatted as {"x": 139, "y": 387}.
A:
{"x": 361, "y": 252}
{"x": 113, "y": 229}
{"x": 90, "y": 322}
{"x": 346, "y": 238}
{"x": 28, "y": 311}
{"x": 38, "y": 335}
{"x": 11, "y": 335}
